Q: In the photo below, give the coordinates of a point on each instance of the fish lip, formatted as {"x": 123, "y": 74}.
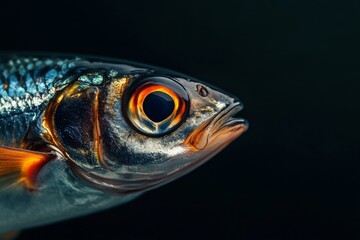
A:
{"x": 223, "y": 125}
{"x": 227, "y": 119}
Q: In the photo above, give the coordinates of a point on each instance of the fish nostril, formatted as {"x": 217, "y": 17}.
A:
{"x": 202, "y": 91}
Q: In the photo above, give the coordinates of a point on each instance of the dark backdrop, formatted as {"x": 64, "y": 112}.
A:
{"x": 294, "y": 64}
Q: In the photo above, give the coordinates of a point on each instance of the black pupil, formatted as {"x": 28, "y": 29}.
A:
{"x": 158, "y": 106}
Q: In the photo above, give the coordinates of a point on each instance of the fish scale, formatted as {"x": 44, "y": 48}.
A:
{"x": 26, "y": 86}
{"x": 28, "y": 83}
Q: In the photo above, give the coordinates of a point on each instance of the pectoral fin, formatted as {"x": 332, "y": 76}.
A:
{"x": 20, "y": 166}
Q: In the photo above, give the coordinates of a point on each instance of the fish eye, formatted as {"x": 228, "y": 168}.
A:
{"x": 156, "y": 106}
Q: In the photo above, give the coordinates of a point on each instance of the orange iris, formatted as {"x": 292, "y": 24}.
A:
{"x": 139, "y": 118}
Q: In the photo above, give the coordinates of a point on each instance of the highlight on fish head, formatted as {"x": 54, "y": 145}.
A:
{"x": 137, "y": 129}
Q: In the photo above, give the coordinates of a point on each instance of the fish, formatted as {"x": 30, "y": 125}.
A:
{"x": 80, "y": 134}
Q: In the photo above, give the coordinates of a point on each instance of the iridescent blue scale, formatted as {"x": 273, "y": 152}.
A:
{"x": 30, "y": 84}
{"x": 27, "y": 83}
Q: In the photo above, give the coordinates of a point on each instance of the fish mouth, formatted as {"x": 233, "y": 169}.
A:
{"x": 220, "y": 130}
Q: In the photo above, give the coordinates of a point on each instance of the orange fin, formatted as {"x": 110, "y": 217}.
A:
{"x": 20, "y": 166}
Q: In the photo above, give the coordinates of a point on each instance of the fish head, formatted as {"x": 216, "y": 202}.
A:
{"x": 139, "y": 129}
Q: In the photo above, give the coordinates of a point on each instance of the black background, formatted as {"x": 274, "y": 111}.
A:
{"x": 295, "y": 66}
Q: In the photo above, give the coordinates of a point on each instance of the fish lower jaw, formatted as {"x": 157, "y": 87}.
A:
{"x": 222, "y": 127}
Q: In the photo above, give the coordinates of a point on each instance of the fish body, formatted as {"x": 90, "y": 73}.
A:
{"x": 78, "y": 135}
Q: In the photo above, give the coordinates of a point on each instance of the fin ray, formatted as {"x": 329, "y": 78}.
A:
{"x": 20, "y": 165}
